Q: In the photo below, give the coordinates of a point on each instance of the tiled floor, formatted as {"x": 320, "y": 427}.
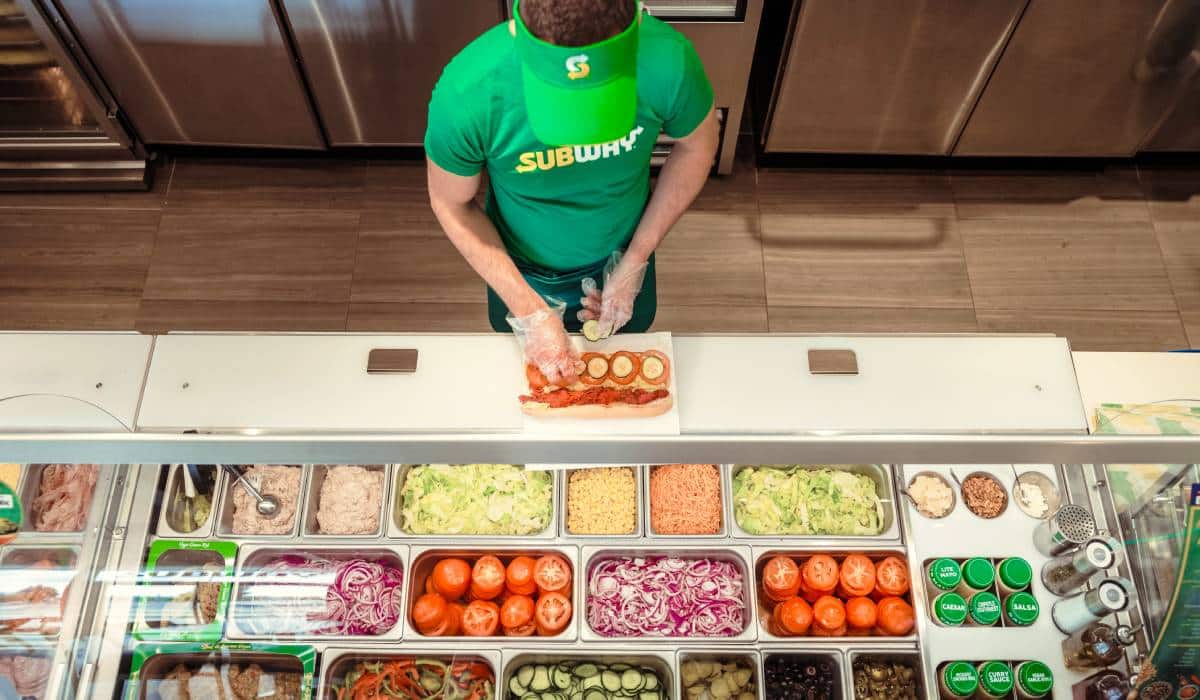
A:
{"x": 1108, "y": 258}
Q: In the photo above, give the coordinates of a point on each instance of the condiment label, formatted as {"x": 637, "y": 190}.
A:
{"x": 996, "y": 677}
{"x": 1022, "y": 608}
{"x": 945, "y": 574}
{"x": 175, "y": 569}
{"x": 1035, "y": 678}
{"x": 197, "y": 654}
{"x": 950, "y": 609}
{"x": 985, "y": 608}
{"x": 960, "y": 678}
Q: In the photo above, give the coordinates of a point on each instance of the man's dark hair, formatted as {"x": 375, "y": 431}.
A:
{"x": 577, "y": 22}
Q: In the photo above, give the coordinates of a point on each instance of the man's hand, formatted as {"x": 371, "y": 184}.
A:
{"x": 546, "y": 345}
{"x": 613, "y": 306}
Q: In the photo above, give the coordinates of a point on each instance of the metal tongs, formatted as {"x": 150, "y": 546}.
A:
{"x": 266, "y": 505}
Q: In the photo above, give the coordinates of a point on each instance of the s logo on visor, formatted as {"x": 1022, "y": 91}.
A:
{"x": 577, "y": 67}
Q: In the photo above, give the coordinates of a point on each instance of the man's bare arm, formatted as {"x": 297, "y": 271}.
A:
{"x": 681, "y": 179}
{"x": 469, "y": 229}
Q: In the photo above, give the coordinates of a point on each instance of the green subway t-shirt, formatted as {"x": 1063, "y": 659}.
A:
{"x": 560, "y": 208}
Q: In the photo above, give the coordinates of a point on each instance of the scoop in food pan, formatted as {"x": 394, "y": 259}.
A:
{"x": 265, "y": 504}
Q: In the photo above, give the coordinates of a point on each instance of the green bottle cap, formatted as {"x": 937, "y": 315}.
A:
{"x": 984, "y": 608}
{"x": 1016, "y": 573}
{"x": 960, "y": 678}
{"x": 945, "y": 574}
{"x": 1035, "y": 678}
{"x": 996, "y": 678}
{"x": 950, "y": 609}
{"x": 978, "y": 573}
{"x": 1021, "y": 608}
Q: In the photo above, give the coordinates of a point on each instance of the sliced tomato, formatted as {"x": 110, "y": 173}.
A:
{"x": 651, "y": 361}
{"x": 820, "y": 573}
{"x": 487, "y": 577}
{"x": 794, "y": 616}
{"x": 891, "y": 577}
{"x": 553, "y": 613}
{"x": 860, "y": 613}
{"x": 526, "y": 630}
{"x": 451, "y": 577}
{"x": 536, "y": 379}
{"x": 895, "y": 616}
{"x": 781, "y": 577}
{"x": 857, "y": 576}
{"x": 481, "y": 618}
{"x": 617, "y": 363}
{"x": 516, "y": 611}
{"x": 519, "y": 576}
{"x": 819, "y": 631}
{"x": 428, "y": 612}
{"x": 552, "y": 573}
{"x": 595, "y": 368}
{"x": 829, "y": 613}
{"x": 451, "y": 624}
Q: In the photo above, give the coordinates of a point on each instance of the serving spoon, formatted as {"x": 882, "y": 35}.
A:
{"x": 265, "y": 505}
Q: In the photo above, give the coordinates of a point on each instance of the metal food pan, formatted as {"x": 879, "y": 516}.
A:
{"x": 885, "y": 489}
{"x": 166, "y": 584}
{"x": 911, "y": 656}
{"x": 154, "y": 670}
{"x": 740, "y": 555}
{"x": 336, "y": 661}
{"x": 661, "y": 662}
{"x": 31, "y": 484}
{"x": 424, "y": 559}
{"x": 394, "y": 530}
{"x": 312, "y": 502}
{"x": 723, "y": 533}
{"x": 249, "y": 556}
{"x": 837, "y": 655}
{"x": 173, "y": 485}
{"x": 17, "y": 574}
{"x": 691, "y": 653}
{"x": 639, "y": 478}
{"x": 225, "y": 523}
{"x": 762, "y": 555}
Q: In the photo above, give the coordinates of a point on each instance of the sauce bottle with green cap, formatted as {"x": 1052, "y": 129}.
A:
{"x": 983, "y": 610}
{"x": 958, "y": 680}
{"x": 949, "y": 609}
{"x": 1021, "y": 609}
{"x": 995, "y": 680}
{"x": 1035, "y": 680}
{"x": 1013, "y": 574}
{"x": 943, "y": 574}
{"x": 978, "y": 574}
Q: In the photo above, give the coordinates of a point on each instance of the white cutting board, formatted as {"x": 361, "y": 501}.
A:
{"x": 666, "y": 424}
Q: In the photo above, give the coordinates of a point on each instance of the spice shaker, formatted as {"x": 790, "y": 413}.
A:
{"x": 1097, "y": 646}
{"x": 1077, "y": 612}
{"x": 1069, "y": 527}
{"x": 1069, "y": 571}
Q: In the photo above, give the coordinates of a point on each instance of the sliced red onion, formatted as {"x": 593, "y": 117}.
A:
{"x": 665, "y": 597}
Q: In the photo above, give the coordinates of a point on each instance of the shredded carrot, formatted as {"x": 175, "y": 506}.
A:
{"x": 685, "y": 499}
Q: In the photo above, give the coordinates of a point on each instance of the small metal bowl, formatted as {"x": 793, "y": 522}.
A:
{"x": 1049, "y": 490}
{"x": 945, "y": 482}
{"x": 992, "y": 477}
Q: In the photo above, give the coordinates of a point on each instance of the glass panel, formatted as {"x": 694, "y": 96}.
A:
{"x": 36, "y": 96}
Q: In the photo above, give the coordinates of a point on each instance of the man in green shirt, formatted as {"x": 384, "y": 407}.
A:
{"x": 562, "y": 106}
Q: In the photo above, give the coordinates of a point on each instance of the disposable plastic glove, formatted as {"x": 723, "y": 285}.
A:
{"x": 546, "y": 345}
{"x": 613, "y": 305}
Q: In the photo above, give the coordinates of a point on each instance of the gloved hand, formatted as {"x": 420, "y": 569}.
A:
{"x": 546, "y": 345}
{"x": 613, "y": 306}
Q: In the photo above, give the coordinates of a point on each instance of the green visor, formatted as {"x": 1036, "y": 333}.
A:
{"x": 579, "y": 95}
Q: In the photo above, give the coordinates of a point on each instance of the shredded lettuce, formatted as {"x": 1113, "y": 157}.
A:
{"x": 806, "y": 500}
{"x": 475, "y": 499}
